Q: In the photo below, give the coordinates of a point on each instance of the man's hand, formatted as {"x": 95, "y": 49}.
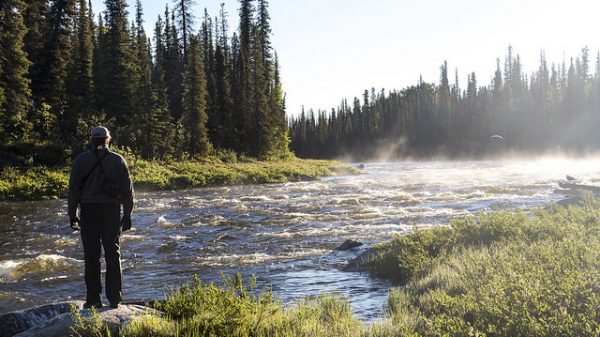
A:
{"x": 126, "y": 222}
{"x": 75, "y": 224}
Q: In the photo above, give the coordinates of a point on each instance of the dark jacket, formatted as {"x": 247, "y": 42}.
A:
{"x": 90, "y": 192}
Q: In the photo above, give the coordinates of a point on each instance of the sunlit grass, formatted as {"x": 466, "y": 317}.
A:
{"x": 234, "y": 309}
{"x": 502, "y": 274}
{"x": 48, "y": 183}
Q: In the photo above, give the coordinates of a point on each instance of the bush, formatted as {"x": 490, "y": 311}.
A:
{"x": 226, "y": 156}
{"x": 91, "y": 326}
{"x": 407, "y": 256}
{"x": 32, "y": 184}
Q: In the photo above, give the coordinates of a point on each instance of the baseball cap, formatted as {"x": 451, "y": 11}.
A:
{"x": 100, "y": 132}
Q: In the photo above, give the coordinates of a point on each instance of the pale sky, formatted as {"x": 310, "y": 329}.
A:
{"x": 334, "y": 49}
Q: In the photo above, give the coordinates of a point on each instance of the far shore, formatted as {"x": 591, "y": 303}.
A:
{"x": 44, "y": 183}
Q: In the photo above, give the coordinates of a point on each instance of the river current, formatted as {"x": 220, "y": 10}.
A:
{"x": 285, "y": 234}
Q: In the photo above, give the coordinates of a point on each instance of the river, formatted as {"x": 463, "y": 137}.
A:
{"x": 285, "y": 234}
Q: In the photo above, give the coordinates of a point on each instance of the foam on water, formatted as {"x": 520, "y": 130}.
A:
{"x": 178, "y": 237}
{"x": 7, "y": 268}
{"x": 13, "y": 270}
{"x": 129, "y": 237}
{"x": 262, "y": 198}
{"x": 257, "y": 258}
{"x": 403, "y": 196}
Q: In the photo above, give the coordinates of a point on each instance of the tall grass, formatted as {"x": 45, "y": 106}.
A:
{"x": 233, "y": 309}
{"x": 503, "y": 274}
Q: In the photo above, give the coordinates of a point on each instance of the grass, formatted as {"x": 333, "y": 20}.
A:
{"x": 88, "y": 326}
{"x": 502, "y": 274}
{"x": 233, "y": 309}
{"x": 39, "y": 183}
{"x": 33, "y": 184}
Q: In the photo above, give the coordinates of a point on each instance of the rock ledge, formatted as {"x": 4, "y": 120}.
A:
{"x": 55, "y": 320}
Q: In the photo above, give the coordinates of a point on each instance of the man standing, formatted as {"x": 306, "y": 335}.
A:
{"x": 98, "y": 185}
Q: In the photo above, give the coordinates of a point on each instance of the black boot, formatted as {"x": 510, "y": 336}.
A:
{"x": 89, "y": 305}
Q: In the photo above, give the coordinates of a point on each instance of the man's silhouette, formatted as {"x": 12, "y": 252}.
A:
{"x": 99, "y": 184}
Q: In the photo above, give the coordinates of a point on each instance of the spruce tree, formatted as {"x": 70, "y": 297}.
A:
{"x": 164, "y": 129}
{"x": 121, "y": 76}
{"x": 208, "y": 53}
{"x": 173, "y": 67}
{"x": 54, "y": 70}
{"x": 247, "y": 125}
{"x": 99, "y": 65}
{"x": 194, "y": 103}
{"x": 14, "y": 67}
{"x": 223, "y": 101}
{"x": 185, "y": 19}
{"x": 261, "y": 116}
{"x": 80, "y": 85}
{"x": 277, "y": 106}
{"x": 278, "y": 142}
{"x": 444, "y": 98}
{"x": 36, "y": 21}
{"x": 264, "y": 26}
{"x": 246, "y": 25}
{"x": 147, "y": 105}
{"x": 236, "y": 92}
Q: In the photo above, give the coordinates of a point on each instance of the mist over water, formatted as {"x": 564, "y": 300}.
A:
{"x": 283, "y": 233}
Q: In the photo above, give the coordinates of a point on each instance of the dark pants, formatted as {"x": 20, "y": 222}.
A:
{"x": 101, "y": 223}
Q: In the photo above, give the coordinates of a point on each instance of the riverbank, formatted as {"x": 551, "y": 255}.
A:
{"x": 498, "y": 274}
{"x": 41, "y": 183}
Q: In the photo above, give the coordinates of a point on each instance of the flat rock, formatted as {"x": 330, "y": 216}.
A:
{"x": 14, "y": 322}
{"x": 349, "y": 244}
{"x": 60, "y": 325}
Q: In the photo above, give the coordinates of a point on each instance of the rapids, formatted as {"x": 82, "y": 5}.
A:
{"x": 283, "y": 233}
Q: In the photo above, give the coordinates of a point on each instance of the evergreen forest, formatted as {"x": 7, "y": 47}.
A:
{"x": 555, "y": 108}
{"x": 192, "y": 88}
{"x": 185, "y": 91}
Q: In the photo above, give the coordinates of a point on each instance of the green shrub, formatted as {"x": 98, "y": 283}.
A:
{"x": 31, "y": 184}
{"x": 508, "y": 274}
{"x": 407, "y": 256}
{"x": 226, "y": 156}
{"x": 233, "y": 309}
{"x": 91, "y": 326}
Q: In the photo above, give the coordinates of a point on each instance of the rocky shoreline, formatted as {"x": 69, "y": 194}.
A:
{"x": 56, "y": 320}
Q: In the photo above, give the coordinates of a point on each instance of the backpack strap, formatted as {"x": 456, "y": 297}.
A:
{"x": 92, "y": 170}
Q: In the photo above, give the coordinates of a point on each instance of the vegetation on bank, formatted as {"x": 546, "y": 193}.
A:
{"x": 501, "y": 274}
{"x": 234, "y": 309}
{"x": 48, "y": 183}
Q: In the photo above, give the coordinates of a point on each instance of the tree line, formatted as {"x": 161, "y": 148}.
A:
{"x": 186, "y": 92}
{"x": 556, "y": 107}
